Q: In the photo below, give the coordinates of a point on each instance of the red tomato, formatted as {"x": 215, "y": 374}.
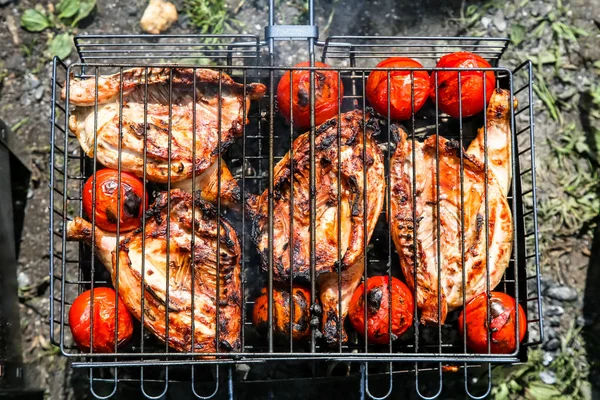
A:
{"x": 471, "y": 84}
{"x": 502, "y": 325}
{"x": 105, "y": 307}
{"x": 377, "y": 309}
{"x": 400, "y": 88}
{"x": 281, "y": 312}
{"x": 132, "y": 190}
{"x": 326, "y": 95}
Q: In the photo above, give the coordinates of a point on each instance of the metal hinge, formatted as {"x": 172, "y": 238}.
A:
{"x": 291, "y": 32}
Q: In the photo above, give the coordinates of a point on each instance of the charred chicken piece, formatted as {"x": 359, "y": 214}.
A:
{"x": 172, "y": 287}
{"x": 165, "y": 127}
{"x": 291, "y": 222}
{"x": 415, "y": 217}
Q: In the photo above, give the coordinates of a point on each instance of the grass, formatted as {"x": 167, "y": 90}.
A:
{"x": 569, "y": 366}
{"x": 210, "y": 17}
{"x": 572, "y": 208}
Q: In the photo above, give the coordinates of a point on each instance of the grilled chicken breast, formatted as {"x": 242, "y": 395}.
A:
{"x": 431, "y": 222}
{"x": 172, "y": 287}
{"x": 291, "y": 211}
{"x": 167, "y": 133}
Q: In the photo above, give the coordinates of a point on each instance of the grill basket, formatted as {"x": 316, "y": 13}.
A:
{"x": 266, "y": 138}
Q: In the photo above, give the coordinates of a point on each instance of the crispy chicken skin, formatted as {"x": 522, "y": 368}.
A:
{"x": 420, "y": 208}
{"x": 165, "y": 131}
{"x": 179, "y": 282}
{"x": 291, "y": 236}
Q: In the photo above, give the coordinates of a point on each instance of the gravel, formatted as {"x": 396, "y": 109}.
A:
{"x": 562, "y": 293}
{"x": 500, "y": 21}
{"x": 547, "y": 359}
{"x": 552, "y": 344}
{"x": 548, "y": 377}
{"x": 554, "y": 311}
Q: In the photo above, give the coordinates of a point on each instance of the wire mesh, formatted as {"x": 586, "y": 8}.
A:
{"x": 254, "y": 158}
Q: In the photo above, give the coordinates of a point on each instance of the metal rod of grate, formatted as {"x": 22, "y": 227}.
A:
{"x": 193, "y": 271}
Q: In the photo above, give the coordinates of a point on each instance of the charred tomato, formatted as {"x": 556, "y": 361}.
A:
{"x": 300, "y": 312}
{"x": 377, "y": 304}
{"x": 107, "y": 189}
{"x": 471, "y": 84}
{"x": 297, "y": 108}
{"x": 104, "y": 320}
{"x": 502, "y": 326}
{"x": 400, "y": 86}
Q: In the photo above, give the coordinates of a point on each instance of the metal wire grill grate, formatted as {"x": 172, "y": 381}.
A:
{"x": 264, "y": 141}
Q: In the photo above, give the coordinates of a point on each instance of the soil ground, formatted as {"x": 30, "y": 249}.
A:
{"x": 570, "y": 251}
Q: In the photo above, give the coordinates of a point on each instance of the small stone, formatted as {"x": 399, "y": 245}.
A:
{"x": 548, "y": 377}
{"x": 550, "y": 333}
{"x": 566, "y": 94}
{"x": 15, "y": 63}
{"x": 485, "y": 21}
{"x": 554, "y": 311}
{"x": 554, "y": 321}
{"x": 39, "y": 93}
{"x": 23, "y": 280}
{"x": 31, "y": 83}
{"x": 562, "y": 293}
{"x": 158, "y": 16}
{"x": 132, "y": 10}
{"x": 500, "y": 21}
{"x": 585, "y": 321}
{"x": 547, "y": 359}
{"x": 552, "y": 344}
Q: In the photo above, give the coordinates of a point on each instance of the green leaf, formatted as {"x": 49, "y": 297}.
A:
{"x": 67, "y": 8}
{"x": 61, "y": 45}
{"x": 541, "y": 391}
{"x": 517, "y": 34}
{"x": 34, "y": 21}
{"x": 85, "y": 8}
{"x": 501, "y": 392}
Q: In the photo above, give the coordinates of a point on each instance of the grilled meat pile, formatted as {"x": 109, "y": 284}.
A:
{"x": 431, "y": 221}
{"x": 142, "y": 257}
{"x": 361, "y": 179}
{"x": 167, "y": 132}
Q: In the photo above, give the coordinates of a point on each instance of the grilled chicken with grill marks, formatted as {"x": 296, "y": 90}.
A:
{"x": 166, "y": 130}
{"x": 184, "y": 261}
{"x": 291, "y": 212}
{"x": 415, "y": 217}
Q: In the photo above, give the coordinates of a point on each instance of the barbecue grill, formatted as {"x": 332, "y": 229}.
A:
{"x": 434, "y": 351}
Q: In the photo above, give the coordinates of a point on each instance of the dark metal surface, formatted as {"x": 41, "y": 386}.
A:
{"x": 265, "y": 140}
{"x": 14, "y": 181}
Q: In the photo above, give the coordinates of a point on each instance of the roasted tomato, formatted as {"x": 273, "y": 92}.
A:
{"x": 400, "y": 88}
{"x": 105, "y": 309}
{"x": 281, "y": 312}
{"x": 471, "y": 84}
{"x": 502, "y": 325}
{"x": 132, "y": 190}
{"x": 298, "y": 108}
{"x": 377, "y": 309}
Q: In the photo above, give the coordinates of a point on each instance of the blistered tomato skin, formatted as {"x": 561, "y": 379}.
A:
{"x": 107, "y": 185}
{"x": 104, "y": 321}
{"x": 281, "y": 312}
{"x": 400, "y": 88}
{"x": 377, "y": 303}
{"x": 471, "y": 84}
{"x": 502, "y": 324}
{"x": 327, "y": 95}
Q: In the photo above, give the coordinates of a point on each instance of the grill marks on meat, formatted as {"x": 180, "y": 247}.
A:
{"x": 162, "y": 123}
{"x": 291, "y": 236}
{"x": 417, "y": 236}
{"x": 183, "y": 262}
